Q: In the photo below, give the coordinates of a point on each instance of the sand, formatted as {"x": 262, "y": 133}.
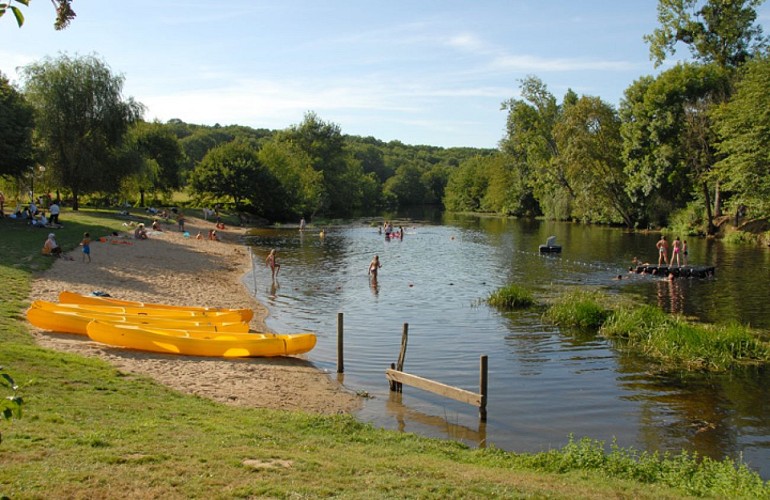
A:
{"x": 169, "y": 268}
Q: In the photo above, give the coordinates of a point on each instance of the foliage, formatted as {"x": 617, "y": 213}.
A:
{"x": 690, "y": 473}
{"x": 578, "y": 309}
{"x": 744, "y": 127}
{"x": 668, "y": 144}
{"x": 589, "y": 141}
{"x": 677, "y": 343}
{"x": 11, "y": 405}
{"x": 16, "y": 125}
{"x": 81, "y": 120}
{"x": 511, "y": 297}
{"x": 716, "y": 31}
{"x": 64, "y": 12}
{"x": 234, "y": 169}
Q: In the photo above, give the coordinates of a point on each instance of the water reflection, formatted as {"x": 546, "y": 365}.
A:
{"x": 405, "y": 417}
{"x": 671, "y": 294}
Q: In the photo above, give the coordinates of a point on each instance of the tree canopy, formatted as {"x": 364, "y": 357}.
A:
{"x": 16, "y": 126}
{"x": 81, "y": 119}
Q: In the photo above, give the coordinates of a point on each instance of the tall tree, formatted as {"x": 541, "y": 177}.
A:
{"x": 81, "y": 119}
{"x": 743, "y": 125}
{"x": 530, "y": 140}
{"x": 716, "y": 31}
{"x": 588, "y": 137}
{"x": 668, "y": 144}
{"x": 16, "y": 125}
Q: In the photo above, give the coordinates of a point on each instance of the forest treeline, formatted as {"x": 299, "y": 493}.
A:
{"x": 682, "y": 148}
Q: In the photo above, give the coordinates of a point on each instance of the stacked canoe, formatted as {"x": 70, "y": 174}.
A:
{"x": 164, "y": 328}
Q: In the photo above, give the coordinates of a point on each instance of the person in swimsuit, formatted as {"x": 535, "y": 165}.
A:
{"x": 86, "y": 244}
{"x": 272, "y": 262}
{"x": 684, "y": 252}
{"x": 662, "y": 250}
{"x": 374, "y": 266}
{"x": 676, "y": 249}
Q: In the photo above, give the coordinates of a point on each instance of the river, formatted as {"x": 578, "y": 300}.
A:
{"x": 544, "y": 383}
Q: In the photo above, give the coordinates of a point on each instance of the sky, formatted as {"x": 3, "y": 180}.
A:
{"x": 423, "y": 72}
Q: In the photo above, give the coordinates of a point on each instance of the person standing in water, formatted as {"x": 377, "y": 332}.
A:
{"x": 272, "y": 262}
{"x": 374, "y": 267}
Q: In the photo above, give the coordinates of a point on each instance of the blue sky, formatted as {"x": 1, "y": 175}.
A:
{"x": 421, "y": 72}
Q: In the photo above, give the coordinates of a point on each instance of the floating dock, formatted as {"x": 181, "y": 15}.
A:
{"x": 678, "y": 272}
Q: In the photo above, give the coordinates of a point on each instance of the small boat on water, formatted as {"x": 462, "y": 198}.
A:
{"x": 76, "y": 322}
{"x": 66, "y": 297}
{"x": 550, "y": 246}
{"x": 200, "y": 343}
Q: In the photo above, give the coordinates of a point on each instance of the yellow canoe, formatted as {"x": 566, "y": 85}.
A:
{"x": 217, "y": 316}
{"x": 200, "y": 343}
{"x": 66, "y": 297}
{"x": 77, "y": 321}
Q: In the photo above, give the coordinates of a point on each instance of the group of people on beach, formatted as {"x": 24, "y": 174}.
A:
{"x": 678, "y": 252}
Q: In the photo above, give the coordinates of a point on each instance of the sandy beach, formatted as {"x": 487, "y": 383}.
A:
{"x": 170, "y": 268}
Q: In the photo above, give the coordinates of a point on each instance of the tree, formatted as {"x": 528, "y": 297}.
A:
{"x": 157, "y": 143}
{"x": 743, "y": 125}
{"x": 588, "y": 137}
{"x": 234, "y": 170}
{"x": 716, "y": 31}
{"x": 81, "y": 120}
{"x": 16, "y": 125}
{"x": 530, "y": 140}
{"x": 64, "y": 12}
{"x": 668, "y": 143}
{"x": 302, "y": 186}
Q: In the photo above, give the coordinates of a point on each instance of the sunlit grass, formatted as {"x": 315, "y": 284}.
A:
{"x": 511, "y": 297}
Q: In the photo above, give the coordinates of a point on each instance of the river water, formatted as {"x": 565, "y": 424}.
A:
{"x": 544, "y": 383}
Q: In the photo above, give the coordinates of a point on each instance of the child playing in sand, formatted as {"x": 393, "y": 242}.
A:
{"x": 86, "y": 244}
{"x": 272, "y": 262}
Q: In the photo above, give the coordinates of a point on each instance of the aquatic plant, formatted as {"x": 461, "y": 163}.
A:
{"x": 511, "y": 297}
{"x": 579, "y": 309}
{"x": 678, "y": 343}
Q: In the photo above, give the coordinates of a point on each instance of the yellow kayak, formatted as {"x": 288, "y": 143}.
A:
{"x": 218, "y": 316}
{"x": 77, "y": 321}
{"x": 198, "y": 342}
{"x": 66, "y": 297}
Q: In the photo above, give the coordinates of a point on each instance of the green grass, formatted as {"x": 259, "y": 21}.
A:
{"x": 90, "y": 430}
{"x": 511, "y": 297}
{"x": 578, "y": 309}
{"x": 675, "y": 342}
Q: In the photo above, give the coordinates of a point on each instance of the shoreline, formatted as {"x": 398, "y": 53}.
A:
{"x": 169, "y": 268}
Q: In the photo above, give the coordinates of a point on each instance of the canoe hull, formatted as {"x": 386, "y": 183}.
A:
{"x": 66, "y": 297}
{"x": 76, "y": 322}
{"x": 197, "y": 343}
{"x": 213, "y": 316}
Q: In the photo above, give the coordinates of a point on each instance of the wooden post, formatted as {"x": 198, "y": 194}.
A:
{"x": 402, "y": 354}
{"x": 340, "y": 362}
{"x": 483, "y": 388}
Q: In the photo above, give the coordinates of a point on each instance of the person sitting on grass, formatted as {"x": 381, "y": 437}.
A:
{"x": 140, "y": 233}
{"x": 50, "y": 247}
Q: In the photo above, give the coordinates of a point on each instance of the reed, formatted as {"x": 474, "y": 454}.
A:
{"x": 678, "y": 343}
{"x": 578, "y": 309}
{"x": 511, "y": 297}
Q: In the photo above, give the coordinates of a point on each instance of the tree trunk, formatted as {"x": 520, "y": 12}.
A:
{"x": 717, "y": 201}
{"x": 141, "y": 197}
{"x": 710, "y": 228}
